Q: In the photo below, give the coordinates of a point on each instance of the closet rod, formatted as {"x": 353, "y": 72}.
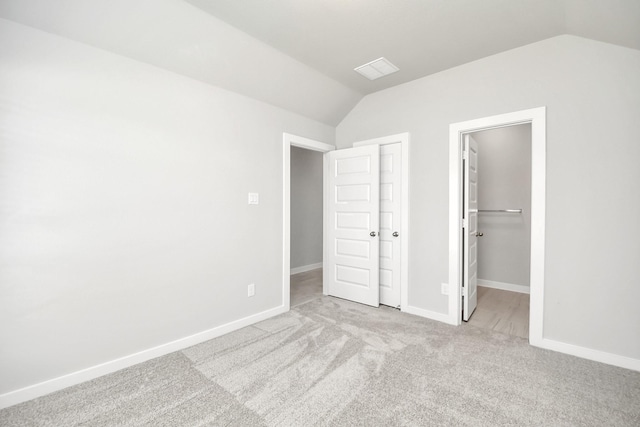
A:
{"x": 500, "y": 210}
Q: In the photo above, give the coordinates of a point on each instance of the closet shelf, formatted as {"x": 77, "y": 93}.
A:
{"x": 497, "y": 210}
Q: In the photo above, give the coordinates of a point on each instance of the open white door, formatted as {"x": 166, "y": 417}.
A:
{"x": 470, "y": 232}
{"x": 353, "y": 224}
{"x": 390, "y": 223}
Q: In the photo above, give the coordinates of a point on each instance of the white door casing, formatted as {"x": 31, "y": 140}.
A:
{"x": 390, "y": 223}
{"x": 470, "y": 225}
{"x": 353, "y": 224}
{"x": 537, "y": 118}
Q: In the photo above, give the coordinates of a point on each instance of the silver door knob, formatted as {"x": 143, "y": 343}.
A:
{"x": 395, "y": 234}
{"x": 372, "y": 234}
{"x": 479, "y": 234}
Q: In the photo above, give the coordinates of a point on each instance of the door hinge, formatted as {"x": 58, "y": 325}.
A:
{"x": 464, "y": 291}
{"x": 464, "y": 223}
{"x": 465, "y": 154}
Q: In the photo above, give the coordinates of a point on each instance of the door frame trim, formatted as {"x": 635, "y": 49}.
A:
{"x": 288, "y": 141}
{"x": 537, "y": 118}
{"x": 403, "y": 139}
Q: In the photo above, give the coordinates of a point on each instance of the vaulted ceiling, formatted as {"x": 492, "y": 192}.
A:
{"x": 300, "y": 54}
{"x": 421, "y": 37}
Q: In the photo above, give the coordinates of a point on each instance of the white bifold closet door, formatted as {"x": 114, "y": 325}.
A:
{"x": 364, "y": 224}
{"x": 390, "y": 223}
{"x": 353, "y": 224}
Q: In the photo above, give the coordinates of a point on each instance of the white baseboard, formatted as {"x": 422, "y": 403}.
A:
{"x": 304, "y": 268}
{"x": 504, "y": 286}
{"x": 590, "y": 354}
{"x": 440, "y": 317}
{"x": 37, "y": 390}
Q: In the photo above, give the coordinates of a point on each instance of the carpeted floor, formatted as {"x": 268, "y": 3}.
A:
{"x": 306, "y": 286}
{"x": 332, "y": 362}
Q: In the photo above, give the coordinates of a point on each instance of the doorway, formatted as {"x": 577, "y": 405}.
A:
{"x": 306, "y": 225}
{"x": 502, "y": 177}
{"x": 296, "y": 141}
{"x": 458, "y": 222}
{"x": 289, "y": 141}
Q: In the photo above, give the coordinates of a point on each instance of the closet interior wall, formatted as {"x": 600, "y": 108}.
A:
{"x": 504, "y": 183}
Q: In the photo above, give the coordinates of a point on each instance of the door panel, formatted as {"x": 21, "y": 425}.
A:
{"x": 470, "y": 208}
{"x": 354, "y": 213}
{"x": 390, "y": 214}
{"x": 353, "y": 220}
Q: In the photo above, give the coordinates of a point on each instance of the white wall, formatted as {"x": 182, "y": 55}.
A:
{"x": 306, "y": 207}
{"x": 504, "y": 182}
{"x": 591, "y": 91}
{"x": 123, "y": 206}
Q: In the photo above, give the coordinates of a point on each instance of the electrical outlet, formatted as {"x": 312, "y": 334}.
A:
{"x": 251, "y": 290}
{"x": 444, "y": 288}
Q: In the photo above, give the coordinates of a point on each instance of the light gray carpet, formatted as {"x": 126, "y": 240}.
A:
{"x": 306, "y": 286}
{"x": 332, "y": 362}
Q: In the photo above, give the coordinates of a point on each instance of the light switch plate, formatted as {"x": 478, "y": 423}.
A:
{"x": 254, "y": 199}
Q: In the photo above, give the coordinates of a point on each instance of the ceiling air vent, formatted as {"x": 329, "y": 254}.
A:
{"x": 376, "y": 69}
